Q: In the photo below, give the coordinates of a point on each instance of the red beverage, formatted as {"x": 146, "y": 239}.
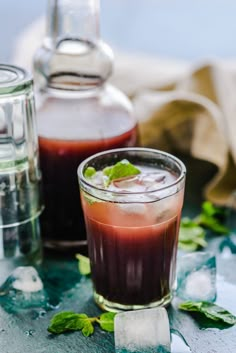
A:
{"x": 132, "y": 265}
{"x": 132, "y": 231}
{"x": 62, "y": 220}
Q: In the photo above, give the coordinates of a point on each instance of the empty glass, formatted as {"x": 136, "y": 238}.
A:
{"x": 20, "y": 201}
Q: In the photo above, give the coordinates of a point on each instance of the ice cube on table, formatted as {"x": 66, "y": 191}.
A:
{"x": 23, "y": 289}
{"x": 142, "y": 331}
{"x": 196, "y": 277}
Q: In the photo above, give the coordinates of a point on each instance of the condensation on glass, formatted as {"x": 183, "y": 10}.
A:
{"x": 20, "y": 197}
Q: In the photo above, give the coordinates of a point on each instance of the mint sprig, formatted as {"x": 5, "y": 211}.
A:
{"x": 210, "y": 310}
{"x": 120, "y": 170}
{"x": 192, "y": 234}
{"x": 212, "y": 218}
{"x": 70, "y": 321}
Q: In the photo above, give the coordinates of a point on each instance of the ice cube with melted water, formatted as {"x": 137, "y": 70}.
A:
{"x": 23, "y": 289}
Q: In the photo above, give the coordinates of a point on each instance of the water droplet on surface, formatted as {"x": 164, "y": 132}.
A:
{"x": 38, "y": 314}
{"x": 51, "y": 306}
{"x": 42, "y": 313}
{"x": 29, "y": 332}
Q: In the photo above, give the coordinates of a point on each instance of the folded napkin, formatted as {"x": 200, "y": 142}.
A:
{"x": 180, "y": 108}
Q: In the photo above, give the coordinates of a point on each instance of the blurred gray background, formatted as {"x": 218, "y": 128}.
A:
{"x": 183, "y": 29}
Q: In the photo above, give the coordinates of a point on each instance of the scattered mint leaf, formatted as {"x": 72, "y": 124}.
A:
{"x": 66, "y": 321}
{"x": 210, "y": 310}
{"x": 106, "y": 321}
{"x": 120, "y": 170}
{"x": 212, "y": 218}
{"x": 191, "y": 235}
{"x": 89, "y": 172}
{"x": 88, "y": 329}
{"x": 212, "y": 224}
{"x": 77, "y": 323}
{"x": 70, "y": 321}
{"x": 210, "y": 210}
{"x": 83, "y": 264}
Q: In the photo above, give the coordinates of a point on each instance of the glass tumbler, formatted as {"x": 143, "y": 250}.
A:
{"x": 20, "y": 196}
{"x": 132, "y": 227}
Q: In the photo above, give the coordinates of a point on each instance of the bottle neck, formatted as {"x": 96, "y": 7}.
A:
{"x": 72, "y": 19}
{"x": 72, "y": 56}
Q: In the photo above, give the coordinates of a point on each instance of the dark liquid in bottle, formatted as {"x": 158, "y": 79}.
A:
{"x": 62, "y": 220}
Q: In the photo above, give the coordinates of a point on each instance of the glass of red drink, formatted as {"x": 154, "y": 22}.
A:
{"x": 132, "y": 224}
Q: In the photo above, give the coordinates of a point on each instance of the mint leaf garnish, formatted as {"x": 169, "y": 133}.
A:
{"x": 83, "y": 264}
{"x": 210, "y": 310}
{"x": 120, "y": 170}
{"x": 191, "y": 235}
{"x": 89, "y": 172}
{"x": 70, "y": 321}
{"x": 106, "y": 321}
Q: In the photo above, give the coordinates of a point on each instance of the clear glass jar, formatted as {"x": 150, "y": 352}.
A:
{"x": 79, "y": 113}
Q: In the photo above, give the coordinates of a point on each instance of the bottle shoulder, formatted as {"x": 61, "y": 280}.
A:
{"x": 106, "y": 97}
{"x": 101, "y": 113}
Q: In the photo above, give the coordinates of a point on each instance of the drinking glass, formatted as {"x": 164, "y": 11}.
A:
{"x": 133, "y": 234}
{"x": 20, "y": 197}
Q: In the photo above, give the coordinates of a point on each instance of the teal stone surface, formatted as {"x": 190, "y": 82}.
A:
{"x": 25, "y": 331}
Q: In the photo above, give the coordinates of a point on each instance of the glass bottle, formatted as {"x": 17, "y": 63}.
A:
{"x": 79, "y": 113}
{"x": 20, "y": 177}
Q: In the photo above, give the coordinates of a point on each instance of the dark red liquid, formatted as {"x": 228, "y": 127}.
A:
{"x": 62, "y": 220}
{"x": 130, "y": 265}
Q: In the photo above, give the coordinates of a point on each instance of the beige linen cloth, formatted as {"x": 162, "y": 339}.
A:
{"x": 179, "y": 107}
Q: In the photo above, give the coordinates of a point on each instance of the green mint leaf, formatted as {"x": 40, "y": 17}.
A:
{"x": 83, "y": 264}
{"x": 79, "y": 321}
{"x": 69, "y": 321}
{"x": 187, "y": 246}
{"x": 88, "y": 329}
{"x": 210, "y": 210}
{"x": 89, "y": 172}
{"x": 212, "y": 218}
{"x": 191, "y": 235}
{"x": 210, "y": 310}
{"x": 66, "y": 321}
{"x": 120, "y": 170}
{"x": 106, "y": 321}
{"x": 212, "y": 224}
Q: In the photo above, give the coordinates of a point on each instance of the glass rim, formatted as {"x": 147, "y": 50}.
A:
{"x": 13, "y": 79}
{"x": 135, "y": 149}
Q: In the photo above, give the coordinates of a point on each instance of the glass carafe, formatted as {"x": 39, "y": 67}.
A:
{"x": 79, "y": 113}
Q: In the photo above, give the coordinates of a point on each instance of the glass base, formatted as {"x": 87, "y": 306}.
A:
{"x": 116, "y": 307}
